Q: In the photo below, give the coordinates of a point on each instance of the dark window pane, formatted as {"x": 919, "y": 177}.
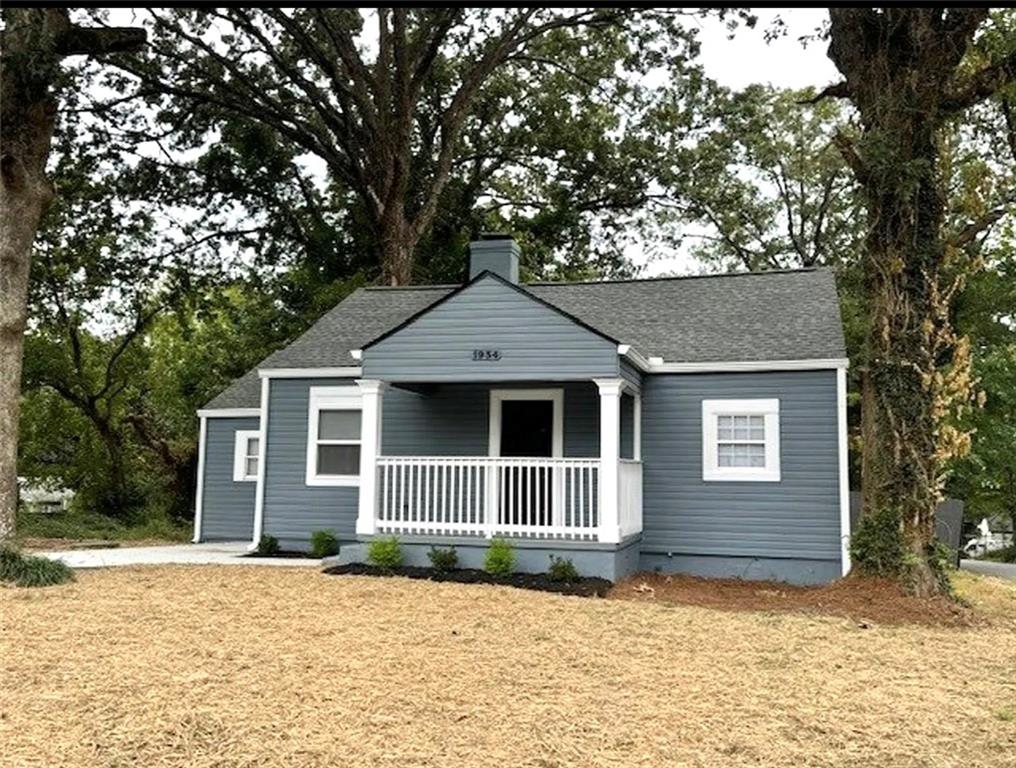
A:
{"x": 338, "y": 460}
{"x": 339, "y": 425}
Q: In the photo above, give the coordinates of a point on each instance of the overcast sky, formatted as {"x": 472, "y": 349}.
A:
{"x": 747, "y": 59}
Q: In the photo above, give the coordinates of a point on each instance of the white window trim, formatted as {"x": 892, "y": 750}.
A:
{"x": 498, "y": 396}
{"x": 711, "y": 470}
{"x": 241, "y": 438}
{"x": 330, "y": 399}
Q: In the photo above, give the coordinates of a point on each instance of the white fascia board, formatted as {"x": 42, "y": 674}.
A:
{"x": 633, "y": 356}
{"x": 228, "y": 413}
{"x": 817, "y": 364}
{"x": 344, "y": 372}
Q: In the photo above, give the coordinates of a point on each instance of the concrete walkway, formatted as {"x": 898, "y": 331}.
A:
{"x": 213, "y": 553}
{"x": 989, "y": 568}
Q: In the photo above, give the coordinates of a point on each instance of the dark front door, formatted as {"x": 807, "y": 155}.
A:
{"x": 527, "y": 429}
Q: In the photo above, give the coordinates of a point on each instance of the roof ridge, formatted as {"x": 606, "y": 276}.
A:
{"x": 421, "y": 287}
{"x": 620, "y": 280}
{"x": 661, "y": 278}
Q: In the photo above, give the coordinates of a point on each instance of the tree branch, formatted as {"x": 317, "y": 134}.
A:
{"x": 838, "y": 90}
{"x": 981, "y": 85}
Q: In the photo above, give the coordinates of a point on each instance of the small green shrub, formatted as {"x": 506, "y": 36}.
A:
{"x": 500, "y": 558}
{"x": 28, "y": 571}
{"x": 443, "y": 560}
{"x": 877, "y": 547}
{"x": 268, "y": 545}
{"x": 323, "y": 544}
{"x": 563, "y": 570}
{"x": 385, "y": 553}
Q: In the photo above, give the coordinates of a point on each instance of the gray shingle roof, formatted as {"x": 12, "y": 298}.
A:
{"x": 792, "y": 315}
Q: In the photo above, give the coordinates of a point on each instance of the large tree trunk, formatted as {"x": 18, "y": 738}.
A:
{"x": 398, "y": 242}
{"x": 902, "y": 263}
{"x": 25, "y": 193}
{"x": 23, "y": 199}
{"x": 34, "y": 42}
{"x": 902, "y": 70}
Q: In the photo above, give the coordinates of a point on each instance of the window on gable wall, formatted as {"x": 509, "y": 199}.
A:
{"x": 741, "y": 440}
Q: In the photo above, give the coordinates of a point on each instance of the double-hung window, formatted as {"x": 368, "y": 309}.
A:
{"x": 333, "y": 436}
{"x": 246, "y": 447}
{"x": 741, "y": 440}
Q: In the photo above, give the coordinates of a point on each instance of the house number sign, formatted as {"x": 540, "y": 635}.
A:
{"x": 487, "y": 355}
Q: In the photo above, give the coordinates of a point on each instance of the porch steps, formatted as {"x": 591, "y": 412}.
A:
{"x": 348, "y": 553}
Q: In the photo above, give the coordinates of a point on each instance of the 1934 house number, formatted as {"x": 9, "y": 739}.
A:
{"x": 487, "y": 355}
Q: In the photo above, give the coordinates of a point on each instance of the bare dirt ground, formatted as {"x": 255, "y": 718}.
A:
{"x": 866, "y": 601}
{"x": 215, "y": 666}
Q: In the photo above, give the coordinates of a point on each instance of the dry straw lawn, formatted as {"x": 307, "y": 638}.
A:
{"x": 197, "y": 667}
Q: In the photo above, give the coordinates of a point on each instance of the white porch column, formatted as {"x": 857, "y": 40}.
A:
{"x": 610, "y": 454}
{"x": 370, "y": 448}
{"x": 637, "y": 428}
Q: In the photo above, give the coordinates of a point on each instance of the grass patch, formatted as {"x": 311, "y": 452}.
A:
{"x": 990, "y": 596}
{"x": 30, "y": 571}
{"x": 78, "y": 526}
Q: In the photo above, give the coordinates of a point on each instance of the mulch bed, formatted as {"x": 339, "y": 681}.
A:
{"x": 584, "y": 587}
{"x": 284, "y": 554}
{"x": 864, "y": 600}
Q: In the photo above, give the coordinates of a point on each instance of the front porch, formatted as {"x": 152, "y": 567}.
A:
{"x": 553, "y": 496}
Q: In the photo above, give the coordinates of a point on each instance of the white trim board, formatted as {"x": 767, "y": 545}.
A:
{"x": 659, "y": 365}
{"x": 199, "y": 500}
{"x": 346, "y": 372}
{"x": 228, "y": 413}
{"x": 259, "y": 493}
{"x": 498, "y": 396}
{"x": 844, "y": 470}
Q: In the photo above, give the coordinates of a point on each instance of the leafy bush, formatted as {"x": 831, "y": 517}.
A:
{"x": 877, "y": 547}
{"x": 268, "y": 545}
{"x": 28, "y": 571}
{"x": 500, "y": 558}
{"x": 443, "y": 560}
{"x": 74, "y": 524}
{"x": 1004, "y": 555}
{"x": 563, "y": 570}
{"x": 385, "y": 553}
{"x": 323, "y": 544}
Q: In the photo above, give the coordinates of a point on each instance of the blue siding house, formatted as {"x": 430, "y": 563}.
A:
{"x": 693, "y": 424}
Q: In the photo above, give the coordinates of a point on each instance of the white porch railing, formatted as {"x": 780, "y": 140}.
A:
{"x": 629, "y": 485}
{"x": 520, "y": 497}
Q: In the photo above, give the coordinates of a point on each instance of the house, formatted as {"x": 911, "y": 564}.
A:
{"x": 693, "y": 424}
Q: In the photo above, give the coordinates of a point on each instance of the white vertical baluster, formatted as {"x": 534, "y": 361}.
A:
{"x": 384, "y": 492}
{"x": 445, "y": 508}
{"x": 417, "y": 512}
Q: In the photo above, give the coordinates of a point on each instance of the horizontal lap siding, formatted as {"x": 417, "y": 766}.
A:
{"x": 535, "y": 342}
{"x": 797, "y": 517}
{"x": 227, "y": 510}
{"x": 292, "y": 509}
{"x": 453, "y": 420}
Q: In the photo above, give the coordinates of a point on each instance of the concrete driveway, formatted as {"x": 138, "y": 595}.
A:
{"x": 990, "y": 568}
{"x": 212, "y": 553}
